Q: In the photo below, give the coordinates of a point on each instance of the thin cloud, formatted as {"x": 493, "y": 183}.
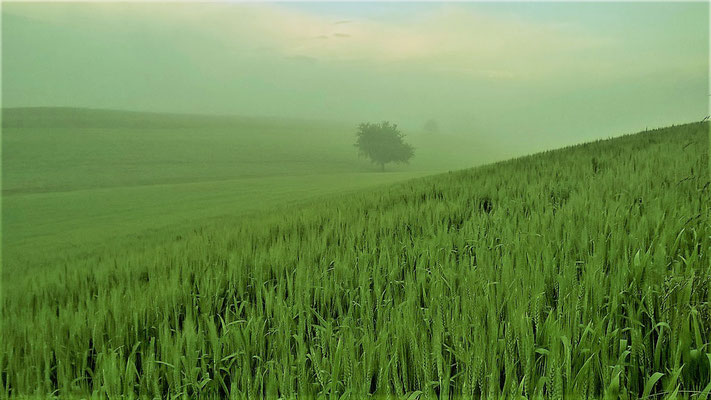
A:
{"x": 305, "y": 59}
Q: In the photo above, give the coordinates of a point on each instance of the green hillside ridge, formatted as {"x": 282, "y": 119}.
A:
{"x": 579, "y": 272}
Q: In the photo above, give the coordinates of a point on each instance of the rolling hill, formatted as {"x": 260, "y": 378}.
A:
{"x": 77, "y": 179}
{"x": 579, "y": 272}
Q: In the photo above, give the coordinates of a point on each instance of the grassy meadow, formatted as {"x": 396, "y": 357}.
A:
{"x": 582, "y": 272}
{"x": 77, "y": 179}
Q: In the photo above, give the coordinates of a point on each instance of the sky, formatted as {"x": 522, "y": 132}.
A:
{"x": 531, "y": 76}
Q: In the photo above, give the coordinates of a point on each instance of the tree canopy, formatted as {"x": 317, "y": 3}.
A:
{"x": 383, "y": 143}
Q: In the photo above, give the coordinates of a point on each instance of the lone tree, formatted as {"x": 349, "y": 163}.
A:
{"x": 383, "y": 143}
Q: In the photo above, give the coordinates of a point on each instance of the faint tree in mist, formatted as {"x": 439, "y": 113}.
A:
{"x": 431, "y": 126}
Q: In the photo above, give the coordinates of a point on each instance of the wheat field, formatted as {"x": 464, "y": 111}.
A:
{"x": 582, "y": 272}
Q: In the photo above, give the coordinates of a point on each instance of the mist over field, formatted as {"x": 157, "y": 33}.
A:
{"x": 518, "y": 77}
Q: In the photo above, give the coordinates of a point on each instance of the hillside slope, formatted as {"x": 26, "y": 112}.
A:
{"x": 56, "y": 149}
{"x": 577, "y": 272}
{"x": 75, "y": 179}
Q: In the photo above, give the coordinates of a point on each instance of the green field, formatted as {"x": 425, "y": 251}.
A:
{"x": 77, "y": 179}
{"x": 579, "y": 272}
